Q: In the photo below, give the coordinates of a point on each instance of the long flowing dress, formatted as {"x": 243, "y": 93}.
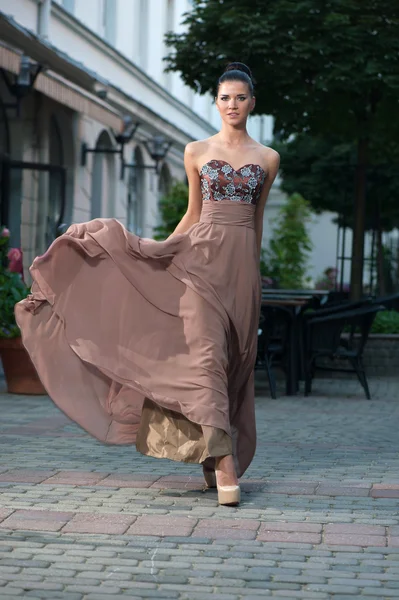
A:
{"x": 154, "y": 343}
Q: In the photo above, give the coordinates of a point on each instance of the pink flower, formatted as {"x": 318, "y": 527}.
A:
{"x": 5, "y": 232}
{"x": 15, "y": 261}
{"x": 14, "y": 254}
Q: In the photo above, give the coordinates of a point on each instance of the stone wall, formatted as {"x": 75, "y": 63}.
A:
{"x": 381, "y": 355}
{"x": 381, "y": 358}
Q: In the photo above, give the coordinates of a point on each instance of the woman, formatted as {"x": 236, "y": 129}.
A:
{"x": 155, "y": 342}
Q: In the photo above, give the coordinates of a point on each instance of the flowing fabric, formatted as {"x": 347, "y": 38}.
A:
{"x": 150, "y": 342}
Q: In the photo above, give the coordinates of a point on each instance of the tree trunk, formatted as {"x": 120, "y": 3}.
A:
{"x": 380, "y": 265}
{"x": 359, "y": 221}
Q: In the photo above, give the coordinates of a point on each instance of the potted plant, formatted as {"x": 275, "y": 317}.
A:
{"x": 21, "y": 376}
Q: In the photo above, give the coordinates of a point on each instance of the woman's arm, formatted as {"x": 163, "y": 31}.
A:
{"x": 273, "y": 161}
{"x": 193, "y": 212}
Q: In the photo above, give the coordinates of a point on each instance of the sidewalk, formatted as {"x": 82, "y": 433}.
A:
{"x": 318, "y": 519}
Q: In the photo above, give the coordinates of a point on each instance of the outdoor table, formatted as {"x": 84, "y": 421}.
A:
{"x": 297, "y": 293}
{"x": 294, "y": 305}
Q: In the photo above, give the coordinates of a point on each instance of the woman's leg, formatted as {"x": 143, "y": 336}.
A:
{"x": 225, "y": 471}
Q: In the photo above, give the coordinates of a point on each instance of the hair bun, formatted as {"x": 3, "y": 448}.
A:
{"x": 238, "y": 66}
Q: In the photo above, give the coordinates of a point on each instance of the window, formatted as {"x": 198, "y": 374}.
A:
{"x": 135, "y": 199}
{"x": 143, "y": 34}
{"x": 109, "y": 20}
{"x": 69, "y": 5}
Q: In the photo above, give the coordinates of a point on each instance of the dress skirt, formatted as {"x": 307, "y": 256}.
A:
{"x": 152, "y": 343}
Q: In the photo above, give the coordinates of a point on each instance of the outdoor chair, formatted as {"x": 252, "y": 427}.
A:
{"x": 275, "y": 327}
{"x": 344, "y": 306}
{"x": 323, "y": 339}
{"x": 390, "y": 302}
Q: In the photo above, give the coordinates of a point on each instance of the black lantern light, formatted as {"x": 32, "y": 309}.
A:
{"x": 22, "y": 84}
{"x": 157, "y": 148}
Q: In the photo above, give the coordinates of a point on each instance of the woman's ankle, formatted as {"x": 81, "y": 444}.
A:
{"x": 225, "y": 471}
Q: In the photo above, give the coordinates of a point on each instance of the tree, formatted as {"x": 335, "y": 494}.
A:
{"x": 323, "y": 169}
{"x": 286, "y": 258}
{"x": 172, "y": 208}
{"x": 321, "y": 66}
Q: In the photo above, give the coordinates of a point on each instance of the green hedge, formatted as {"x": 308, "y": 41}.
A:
{"x": 387, "y": 321}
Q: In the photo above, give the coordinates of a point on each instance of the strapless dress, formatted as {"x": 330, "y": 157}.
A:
{"x": 154, "y": 343}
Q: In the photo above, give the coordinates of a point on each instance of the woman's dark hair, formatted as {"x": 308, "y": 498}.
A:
{"x": 237, "y": 71}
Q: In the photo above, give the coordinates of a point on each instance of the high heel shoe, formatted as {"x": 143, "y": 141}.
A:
{"x": 228, "y": 495}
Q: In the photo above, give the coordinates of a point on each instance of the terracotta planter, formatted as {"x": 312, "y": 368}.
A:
{"x": 21, "y": 375}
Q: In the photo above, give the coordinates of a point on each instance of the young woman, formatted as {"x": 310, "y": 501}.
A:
{"x": 155, "y": 342}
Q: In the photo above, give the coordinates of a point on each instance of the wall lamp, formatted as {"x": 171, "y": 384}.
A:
{"x": 128, "y": 130}
{"x": 157, "y": 148}
{"x": 22, "y": 83}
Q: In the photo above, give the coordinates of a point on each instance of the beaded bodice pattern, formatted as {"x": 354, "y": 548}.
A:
{"x": 219, "y": 181}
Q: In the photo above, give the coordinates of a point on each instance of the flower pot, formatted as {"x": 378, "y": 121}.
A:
{"x": 21, "y": 375}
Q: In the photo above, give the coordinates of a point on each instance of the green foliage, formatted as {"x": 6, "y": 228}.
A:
{"x": 320, "y": 65}
{"x": 172, "y": 208}
{"x": 286, "y": 259}
{"x": 322, "y": 169}
{"x": 264, "y": 267}
{"x": 12, "y": 290}
{"x": 386, "y": 321}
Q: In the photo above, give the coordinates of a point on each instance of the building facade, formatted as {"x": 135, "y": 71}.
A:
{"x": 101, "y": 78}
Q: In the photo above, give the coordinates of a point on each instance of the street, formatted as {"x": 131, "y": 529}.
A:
{"x": 318, "y": 518}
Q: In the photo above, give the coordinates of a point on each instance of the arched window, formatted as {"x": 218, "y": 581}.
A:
{"x": 103, "y": 179}
{"x": 165, "y": 181}
{"x": 135, "y": 196}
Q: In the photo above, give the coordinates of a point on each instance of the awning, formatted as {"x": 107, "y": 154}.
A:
{"x": 65, "y": 92}
{"x": 59, "y": 89}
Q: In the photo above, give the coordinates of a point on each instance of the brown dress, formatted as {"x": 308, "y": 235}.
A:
{"x": 150, "y": 342}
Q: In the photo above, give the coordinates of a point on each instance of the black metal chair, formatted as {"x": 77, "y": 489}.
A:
{"x": 275, "y": 327}
{"x": 345, "y": 306}
{"x": 390, "y": 302}
{"x": 323, "y": 339}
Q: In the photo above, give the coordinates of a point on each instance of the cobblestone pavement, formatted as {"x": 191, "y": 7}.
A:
{"x": 318, "y": 519}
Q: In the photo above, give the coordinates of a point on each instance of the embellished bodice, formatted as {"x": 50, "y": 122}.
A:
{"x": 219, "y": 181}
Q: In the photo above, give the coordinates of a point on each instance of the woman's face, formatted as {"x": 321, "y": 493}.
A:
{"x": 234, "y": 102}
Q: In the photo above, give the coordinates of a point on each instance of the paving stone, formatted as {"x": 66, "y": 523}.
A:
{"x": 127, "y": 480}
{"x": 292, "y": 526}
{"x": 26, "y": 475}
{"x": 95, "y": 523}
{"x": 353, "y": 539}
{"x": 226, "y": 533}
{"x": 353, "y": 528}
{"x": 75, "y": 478}
{"x": 162, "y": 526}
{"x": 38, "y": 520}
{"x": 266, "y": 535}
{"x": 329, "y": 490}
{"x": 52, "y": 595}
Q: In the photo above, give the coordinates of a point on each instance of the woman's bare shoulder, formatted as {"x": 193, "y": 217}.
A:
{"x": 195, "y": 149}
{"x": 271, "y": 158}
{"x": 268, "y": 153}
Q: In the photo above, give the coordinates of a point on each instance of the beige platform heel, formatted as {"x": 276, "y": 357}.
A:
{"x": 228, "y": 495}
